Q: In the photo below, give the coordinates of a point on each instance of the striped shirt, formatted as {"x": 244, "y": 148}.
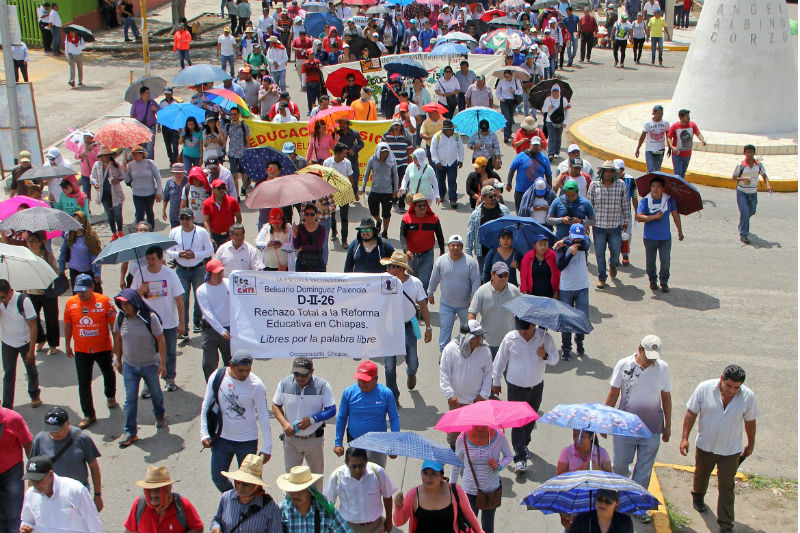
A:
{"x": 294, "y": 522}
{"x": 399, "y": 145}
{"x": 611, "y": 205}
{"x": 488, "y": 479}
{"x": 304, "y": 402}
{"x": 259, "y": 515}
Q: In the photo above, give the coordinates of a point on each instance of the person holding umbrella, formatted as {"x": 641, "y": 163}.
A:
{"x": 654, "y": 210}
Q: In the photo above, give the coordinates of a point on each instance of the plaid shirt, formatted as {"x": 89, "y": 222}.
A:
{"x": 293, "y": 522}
{"x": 611, "y": 205}
{"x": 325, "y": 201}
{"x": 473, "y": 244}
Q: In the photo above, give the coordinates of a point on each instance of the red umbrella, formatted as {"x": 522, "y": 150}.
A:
{"x": 493, "y": 413}
{"x": 332, "y": 115}
{"x": 360, "y": 2}
{"x": 289, "y": 190}
{"x": 492, "y": 13}
{"x": 336, "y": 80}
{"x": 122, "y": 133}
{"x": 435, "y": 107}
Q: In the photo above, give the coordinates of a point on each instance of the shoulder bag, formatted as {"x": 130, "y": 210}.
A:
{"x": 484, "y": 500}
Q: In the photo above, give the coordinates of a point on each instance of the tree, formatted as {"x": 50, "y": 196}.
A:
{"x": 178, "y": 12}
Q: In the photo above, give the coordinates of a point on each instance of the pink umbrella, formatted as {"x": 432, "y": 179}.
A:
{"x": 493, "y": 413}
{"x": 289, "y": 190}
{"x": 332, "y": 115}
{"x": 12, "y": 205}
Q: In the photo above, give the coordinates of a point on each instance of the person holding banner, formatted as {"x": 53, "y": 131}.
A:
{"x": 309, "y": 239}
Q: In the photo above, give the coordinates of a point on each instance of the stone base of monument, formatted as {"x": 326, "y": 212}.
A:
{"x": 614, "y": 133}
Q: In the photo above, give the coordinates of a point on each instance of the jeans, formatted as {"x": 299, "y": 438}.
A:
{"x": 462, "y": 102}
{"x": 572, "y": 47}
{"x": 75, "y": 60}
{"x": 127, "y": 22}
{"x": 521, "y": 436}
{"x": 50, "y": 307}
{"x": 171, "y": 138}
{"x": 171, "y": 340}
{"x": 279, "y": 77}
{"x": 422, "y": 263}
{"x": 684, "y": 20}
{"x": 56, "y": 39}
{"x": 645, "y": 450}
{"x": 233, "y": 21}
{"x": 663, "y": 248}
{"x": 654, "y": 160}
{"x": 9, "y": 355}
{"x": 579, "y": 299}
{"x": 726, "y": 472}
{"x": 221, "y": 456}
{"x": 680, "y": 164}
{"x": 189, "y": 162}
{"x": 447, "y": 176}
{"x": 143, "y": 207}
{"x": 150, "y": 146}
{"x": 657, "y": 42}
{"x": 229, "y": 60}
{"x": 12, "y": 494}
{"x": 344, "y": 211}
{"x": 638, "y": 46}
{"x": 131, "y": 375}
{"x": 587, "y": 42}
{"x": 553, "y": 63}
{"x": 507, "y": 107}
{"x": 191, "y": 278}
{"x": 183, "y": 55}
{"x": 114, "y": 217}
{"x": 487, "y": 515}
{"x": 554, "y": 132}
{"x": 611, "y": 237}
{"x": 678, "y": 16}
{"x": 214, "y": 345}
{"x": 84, "y": 365}
{"x": 747, "y": 203}
{"x": 447, "y": 318}
{"x": 412, "y": 361}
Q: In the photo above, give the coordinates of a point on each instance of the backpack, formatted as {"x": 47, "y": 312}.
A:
{"x": 213, "y": 414}
{"x": 121, "y": 316}
{"x": 180, "y": 512}
{"x": 21, "y": 303}
{"x": 557, "y": 116}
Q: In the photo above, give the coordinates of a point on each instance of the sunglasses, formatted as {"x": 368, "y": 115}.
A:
{"x": 502, "y": 275}
{"x": 604, "y": 500}
{"x": 185, "y": 218}
{"x": 365, "y": 230}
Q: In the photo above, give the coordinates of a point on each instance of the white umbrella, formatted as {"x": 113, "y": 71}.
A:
{"x": 24, "y": 270}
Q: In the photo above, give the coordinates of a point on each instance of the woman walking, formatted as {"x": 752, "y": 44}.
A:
{"x": 309, "y": 239}
{"x": 143, "y": 177}
{"x": 275, "y": 241}
{"x": 192, "y": 140}
{"x": 320, "y": 144}
{"x": 42, "y": 301}
{"x": 78, "y": 252}
{"x": 106, "y": 177}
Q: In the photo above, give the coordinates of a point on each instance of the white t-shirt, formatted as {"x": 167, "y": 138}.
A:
{"x": 414, "y": 289}
{"x": 656, "y": 135}
{"x": 539, "y": 216}
{"x": 641, "y": 388}
{"x": 345, "y": 167}
{"x": 195, "y": 196}
{"x": 161, "y": 290}
{"x": 719, "y": 430}
{"x": 650, "y": 8}
{"x": 227, "y": 45}
{"x": 13, "y": 326}
{"x": 444, "y": 86}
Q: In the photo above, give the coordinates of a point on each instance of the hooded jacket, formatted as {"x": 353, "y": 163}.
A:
{"x": 332, "y": 37}
{"x": 143, "y": 311}
{"x": 464, "y": 373}
{"x": 69, "y": 203}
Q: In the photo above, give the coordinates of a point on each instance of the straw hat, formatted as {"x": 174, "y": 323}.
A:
{"x": 528, "y": 123}
{"x": 156, "y": 476}
{"x": 299, "y": 478}
{"x": 249, "y": 471}
{"x": 397, "y": 259}
{"x": 106, "y": 151}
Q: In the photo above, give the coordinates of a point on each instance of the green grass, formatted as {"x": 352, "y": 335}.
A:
{"x": 780, "y": 484}
{"x": 677, "y": 521}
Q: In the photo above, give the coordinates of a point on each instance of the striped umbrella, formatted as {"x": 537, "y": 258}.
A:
{"x": 227, "y": 100}
{"x": 122, "y": 133}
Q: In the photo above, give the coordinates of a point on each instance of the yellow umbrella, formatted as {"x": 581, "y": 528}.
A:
{"x": 344, "y": 188}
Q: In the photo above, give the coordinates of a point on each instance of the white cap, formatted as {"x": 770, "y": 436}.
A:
{"x": 540, "y": 184}
{"x": 619, "y": 164}
{"x": 651, "y": 346}
{"x": 536, "y": 140}
{"x": 573, "y": 148}
{"x": 455, "y": 238}
{"x": 475, "y": 327}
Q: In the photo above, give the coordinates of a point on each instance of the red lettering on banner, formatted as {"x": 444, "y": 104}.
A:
{"x": 272, "y": 135}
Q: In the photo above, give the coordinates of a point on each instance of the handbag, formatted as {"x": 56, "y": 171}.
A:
{"x": 409, "y": 196}
{"x": 484, "y": 500}
{"x": 557, "y": 116}
{"x": 462, "y": 523}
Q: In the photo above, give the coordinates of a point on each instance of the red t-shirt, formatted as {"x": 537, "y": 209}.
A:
{"x": 681, "y": 136}
{"x": 150, "y": 522}
{"x": 522, "y": 133}
{"x": 15, "y": 435}
{"x": 90, "y": 321}
{"x": 220, "y": 217}
{"x": 312, "y": 72}
{"x": 303, "y": 44}
{"x": 550, "y": 43}
{"x": 588, "y": 24}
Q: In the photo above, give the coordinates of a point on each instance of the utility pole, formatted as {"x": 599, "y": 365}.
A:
{"x": 11, "y": 82}
{"x": 670, "y": 16}
{"x": 145, "y": 37}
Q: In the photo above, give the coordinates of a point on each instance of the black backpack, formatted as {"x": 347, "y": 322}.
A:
{"x": 180, "y": 512}
{"x": 20, "y": 304}
{"x": 213, "y": 414}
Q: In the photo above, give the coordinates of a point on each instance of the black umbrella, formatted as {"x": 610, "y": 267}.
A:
{"x": 46, "y": 173}
{"x": 480, "y": 27}
{"x": 505, "y": 22}
{"x": 416, "y": 11}
{"x": 85, "y": 34}
{"x": 357, "y": 44}
{"x": 40, "y": 219}
{"x": 542, "y": 90}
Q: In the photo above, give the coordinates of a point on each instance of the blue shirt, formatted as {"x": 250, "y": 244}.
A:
{"x": 230, "y": 511}
{"x": 657, "y": 230}
{"x": 364, "y": 412}
{"x": 571, "y": 23}
{"x": 519, "y": 59}
{"x": 172, "y": 195}
{"x": 425, "y": 37}
{"x": 528, "y": 168}
{"x": 580, "y": 208}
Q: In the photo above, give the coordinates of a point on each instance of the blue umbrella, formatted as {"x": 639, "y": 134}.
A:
{"x": 174, "y": 115}
{"x": 315, "y": 24}
{"x": 598, "y": 418}
{"x": 573, "y": 492}
{"x": 550, "y": 314}
{"x": 255, "y": 162}
{"x": 132, "y": 247}
{"x": 402, "y": 3}
{"x": 198, "y": 74}
{"x": 466, "y": 122}
{"x": 524, "y": 230}
{"x": 449, "y": 48}
{"x": 406, "y": 67}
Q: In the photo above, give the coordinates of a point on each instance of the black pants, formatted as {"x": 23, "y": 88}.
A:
{"x": 235, "y": 30}
{"x": 218, "y": 239}
{"x": 47, "y": 37}
{"x": 313, "y": 91}
{"x": 620, "y": 45}
{"x": 20, "y": 66}
{"x": 638, "y": 46}
{"x": 50, "y": 306}
{"x": 561, "y": 51}
{"x": 521, "y": 437}
{"x": 84, "y": 365}
{"x": 587, "y": 42}
{"x": 171, "y": 138}
{"x": 9, "y": 355}
{"x": 345, "y": 211}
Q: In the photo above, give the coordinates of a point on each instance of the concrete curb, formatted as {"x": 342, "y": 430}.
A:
{"x": 660, "y": 516}
{"x": 692, "y": 176}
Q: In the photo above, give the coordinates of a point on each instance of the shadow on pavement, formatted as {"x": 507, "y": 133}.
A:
{"x": 88, "y": 88}
{"x": 425, "y": 416}
{"x": 688, "y": 299}
{"x": 758, "y": 242}
{"x": 160, "y": 446}
{"x": 597, "y": 316}
{"x": 629, "y": 293}
{"x": 583, "y": 366}
{"x": 633, "y": 272}
{"x": 539, "y": 471}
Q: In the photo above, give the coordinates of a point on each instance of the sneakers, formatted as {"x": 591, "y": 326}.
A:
{"x": 36, "y": 402}
{"x": 86, "y": 422}
{"x": 744, "y": 239}
{"x": 127, "y": 439}
{"x": 411, "y": 382}
{"x": 664, "y": 287}
{"x": 580, "y": 351}
{"x": 384, "y": 235}
{"x": 161, "y": 422}
{"x": 197, "y": 328}
{"x": 520, "y": 467}
{"x": 112, "y": 403}
{"x": 565, "y": 354}
{"x": 171, "y": 387}
{"x": 653, "y": 285}
{"x": 183, "y": 336}
{"x": 612, "y": 271}
{"x": 625, "y": 260}
{"x": 145, "y": 392}
{"x": 114, "y": 237}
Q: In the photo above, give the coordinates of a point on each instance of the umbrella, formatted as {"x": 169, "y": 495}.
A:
{"x": 686, "y": 196}
{"x": 357, "y": 44}
{"x": 174, "y": 116}
{"x": 315, "y": 7}
{"x": 227, "y": 100}
{"x": 511, "y": 5}
{"x": 84, "y": 33}
{"x": 573, "y": 492}
{"x": 406, "y": 67}
{"x": 315, "y": 23}
{"x": 331, "y": 115}
{"x": 480, "y": 26}
{"x": 12, "y": 205}
{"x": 595, "y": 417}
{"x": 524, "y": 230}
{"x": 360, "y": 2}
{"x": 505, "y": 39}
{"x": 123, "y": 133}
{"x": 255, "y": 162}
{"x": 542, "y": 4}
{"x": 492, "y": 413}
{"x": 516, "y": 72}
{"x": 416, "y": 10}
{"x": 539, "y": 93}
{"x": 46, "y": 172}
{"x": 491, "y": 14}
{"x": 132, "y": 247}
{"x": 550, "y": 314}
{"x": 40, "y": 219}
{"x": 23, "y": 269}
{"x": 401, "y": 3}
{"x": 336, "y": 80}
{"x": 456, "y": 36}
{"x": 154, "y": 83}
{"x": 344, "y": 188}
{"x": 378, "y": 10}
{"x": 434, "y": 106}
{"x": 447, "y": 49}
{"x": 505, "y": 22}
{"x": 288, "y": 190}
{"x": 466, "y": 122}
{"x": 199, "y": 74}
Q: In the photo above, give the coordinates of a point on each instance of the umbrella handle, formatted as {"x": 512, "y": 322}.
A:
{"x": 403, "y": 479}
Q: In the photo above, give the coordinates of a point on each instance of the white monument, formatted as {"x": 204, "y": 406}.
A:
{"x": 740, "y": 74}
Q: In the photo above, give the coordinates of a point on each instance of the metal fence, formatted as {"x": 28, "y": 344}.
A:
{"x": 29, "y": 24}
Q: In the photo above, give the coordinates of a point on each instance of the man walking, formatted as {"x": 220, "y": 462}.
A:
{"x": 656, "y": 29}
{"x": 488, "y": 302}
{"x": 214, "y": 297}
{"x": 489, "y": 209}
{"x": 609, "y": 198}
{"x": 680, "y": 137}
{"x": 653, "y": 211}
{"x": 568, "y": 209}
{"x": 588, "y": 27}
{"x": 237, "y": 253}
{"x": 54, "y": 24}
{"x": 236, "y": 134}
{"x": 528, "y": 165}
{"x": 746, "y": 175}
{"x": 447, "y": 154}
{"x": 723, "y": 407}
{"x": 226, "y": 49}
{"x": 573, "y": 288}
{"x": 420, "y": 228}
{"x": 13, "y": 440}
{"x": 18, "y": 327}
{"x": 144, "y": 110}
{"x": 655, "y": 131}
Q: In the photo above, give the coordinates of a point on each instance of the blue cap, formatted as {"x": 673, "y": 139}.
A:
{"x": 83, "y": 282}
{"x": 541, "y": 237}
{"x": 577, "y": 231}
{"x": 242, "y": 358}
{"x": 436, "y": 466}
{"x": 540, "y": 187}
{"x": 288, "y": 148}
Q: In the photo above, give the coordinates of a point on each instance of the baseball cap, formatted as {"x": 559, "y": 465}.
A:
{"x": 436, "y": 466}
{"x": 275, "y": 215}
{"x": 547, "y": 30}
{"x": 485, "y": 191}
{"x": 480, "y": 162}
{"x": 288, "y": 148}
{"x": 536, "y": 140}
{"x": 186, "y": 212}
{"x": 540, "y": 187}
{"x": 571, "y": 185}
{"x": 24, "y": 156}
{"x": 455, "y": 238}
{"x": 619, "y": 164}
{"x": 651, "y": 346}
{"x": 37, "y": 467}
{"x": 55, "y": 419}
{"x": 577, "y": 231}
{"x": 302, "y": 365}
{"x": 573, "y": 148}
{"x": 217, "y": 183}
{"x": 215, "y": 266}
{"x": 576, "y": 162}
{"x": 474, "y": 326}
{"x": 242, "y": 358}
{"x": 402, "y": 106}
{"x": 212, "y": 161}
{"x": 366, "y": 371}
{"x": 83, "y": 282}
{"x": 168, "y": 90}
{"x": 500, "y": 267}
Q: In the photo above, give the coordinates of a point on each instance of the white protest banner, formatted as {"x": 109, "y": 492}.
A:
{"x": 316, "y": 314}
